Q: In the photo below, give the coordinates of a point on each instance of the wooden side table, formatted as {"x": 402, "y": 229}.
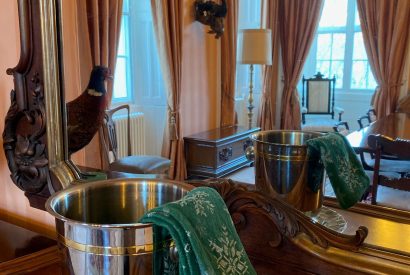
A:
{"x": 24, "y": 251}
{"x": 218, "y": 152}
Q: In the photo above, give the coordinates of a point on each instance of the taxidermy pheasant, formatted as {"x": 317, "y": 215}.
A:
{"x": 85, "y": 114}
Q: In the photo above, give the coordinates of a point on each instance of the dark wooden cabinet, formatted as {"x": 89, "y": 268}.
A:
{"x": 218, "y": 152}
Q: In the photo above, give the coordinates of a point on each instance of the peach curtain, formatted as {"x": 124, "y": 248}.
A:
{"x": 386, "y": 31}
{"x": 267, "y": 112}
{"x": 99, "y": 25}
{"x": 168, "y": 23}
{"x": 228, "y": 64}
{"x": 298, "y": 22}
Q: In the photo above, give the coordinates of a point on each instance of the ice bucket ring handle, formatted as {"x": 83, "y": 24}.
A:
{"x": 250, "y": 153}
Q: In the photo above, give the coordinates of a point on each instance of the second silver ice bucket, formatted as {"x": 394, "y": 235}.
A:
{"x": 97, "y": 224}
{"x": 284, "y": 169}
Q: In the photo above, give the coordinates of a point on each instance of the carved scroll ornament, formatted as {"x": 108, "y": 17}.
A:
{"x": 25, "y": 150}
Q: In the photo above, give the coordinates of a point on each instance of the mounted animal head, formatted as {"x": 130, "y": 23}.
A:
{"x": 98, "y": 76}
{"x": 212, "y": 14}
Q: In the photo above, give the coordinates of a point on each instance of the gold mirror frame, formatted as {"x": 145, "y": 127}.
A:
{"x": 59, "y": 164}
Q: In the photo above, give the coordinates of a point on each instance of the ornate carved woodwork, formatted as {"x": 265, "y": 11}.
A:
{"x": 24, "y": 136}
{"x": 280, "y": 239}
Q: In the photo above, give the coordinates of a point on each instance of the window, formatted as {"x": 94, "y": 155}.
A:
{"x": 249, "y": 18}
{"x": 138, "y": 57}
{"x": 338, "y": 48}
{"x": 122, "y": 68}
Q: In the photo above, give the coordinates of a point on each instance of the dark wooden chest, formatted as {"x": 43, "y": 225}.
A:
{"x": 217, "y": 152}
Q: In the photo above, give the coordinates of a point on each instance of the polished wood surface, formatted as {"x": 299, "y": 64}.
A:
{"x": 281, "y": 240}
{"x": 395, "y": 125}
{"x": 220, "y": 134}
{"x": 24, "y": 251}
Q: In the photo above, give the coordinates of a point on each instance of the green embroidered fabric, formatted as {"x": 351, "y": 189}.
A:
{"x": 344, "y": 169}
{"x": 204, "y": 234}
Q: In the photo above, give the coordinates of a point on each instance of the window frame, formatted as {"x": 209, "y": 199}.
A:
{"x": 349, "y": 30}
{"x": 125, "y": 18}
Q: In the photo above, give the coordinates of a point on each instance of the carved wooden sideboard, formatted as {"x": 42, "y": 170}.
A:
{"x": 281, "y": 240}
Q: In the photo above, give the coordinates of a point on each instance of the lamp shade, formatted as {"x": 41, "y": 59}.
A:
{"x": 255, "y": 46}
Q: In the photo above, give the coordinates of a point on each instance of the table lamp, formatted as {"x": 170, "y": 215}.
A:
{"x": 255, "y": 47}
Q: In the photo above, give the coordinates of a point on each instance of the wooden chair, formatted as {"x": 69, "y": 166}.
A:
{"x": 398, "y": 148}
{"x": 318, "y": 101}
{"x": 342, "y": 127}
{"x": 363, "y": 121}
{"x": 136, "y": 164}
{"x": 366, "y": 119}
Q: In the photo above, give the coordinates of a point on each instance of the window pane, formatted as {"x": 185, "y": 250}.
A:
{"x": 125, "y": 6}
{"x": 249, "y": 18}
{"x": 249, "y": 14}
{"x": 371, "y": 82}
{"x": 120, "y": 79}
{"x": 359, "y": 51}
{"x": 338, "y": 47}
{"x": 323, "y": 66}
{"x": 123, "y": 33}
{"x": 356, "y": 18}
{"x": 323, "y": 46}
{"x": 359, "y": 69}
{"x": 337, "y": 70}
{"x": 334, "y": 14}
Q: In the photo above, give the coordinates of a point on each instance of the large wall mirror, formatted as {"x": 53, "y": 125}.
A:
{"x": 63, "y": 82}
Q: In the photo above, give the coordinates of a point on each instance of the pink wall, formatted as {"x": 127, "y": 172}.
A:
{"x": 199, "y": 76}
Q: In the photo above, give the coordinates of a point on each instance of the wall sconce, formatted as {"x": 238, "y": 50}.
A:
{"x": 255, "y": 47}
{"x": 212, "y": 14}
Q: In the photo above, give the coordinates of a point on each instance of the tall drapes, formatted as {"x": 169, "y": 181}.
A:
{"x": 228, "y": 64}
{"x": 386, "y": 34}
{"x": 99, "y": 26}
{"x": 297, "y": 26}
{"x": 168, "y": 23}
{"x": 99, "y": 23}
{"x": 267, "y": 112}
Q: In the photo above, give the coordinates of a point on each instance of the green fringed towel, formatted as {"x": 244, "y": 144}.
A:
{"x": 204, "y": 234}
{"x": 344, "y": 169}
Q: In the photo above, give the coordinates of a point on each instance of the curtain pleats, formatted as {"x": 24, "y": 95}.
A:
{"x": 168, "y": 23}
{"x": 298, "y": 22}
{"x": 228, "y": 64}
{"x": 267, "y": 110}
{"x": 386, "y": 33}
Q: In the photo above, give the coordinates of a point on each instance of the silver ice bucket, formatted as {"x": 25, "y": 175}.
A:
{"x": 97, "y": 224}
{"x": 285, "y": 170}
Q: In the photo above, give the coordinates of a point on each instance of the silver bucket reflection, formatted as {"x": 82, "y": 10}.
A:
{"x": 284, "y": 169}
{"x": 97, "y": 224}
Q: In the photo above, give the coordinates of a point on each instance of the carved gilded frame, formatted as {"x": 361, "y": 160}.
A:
{"x": 34, "y": 135}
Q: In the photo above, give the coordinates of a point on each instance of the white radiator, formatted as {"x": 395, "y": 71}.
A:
{"x": 137, "y": 134}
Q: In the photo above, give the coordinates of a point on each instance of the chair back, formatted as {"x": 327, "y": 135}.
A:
{"x": 109, "y": 134}
{"x": 342, "y": 128}
{"x": 398, "y": 149}
{"x": 372, "y": 114}
{"x": 318, "y": 95}
{"x": 363, "y": 121}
